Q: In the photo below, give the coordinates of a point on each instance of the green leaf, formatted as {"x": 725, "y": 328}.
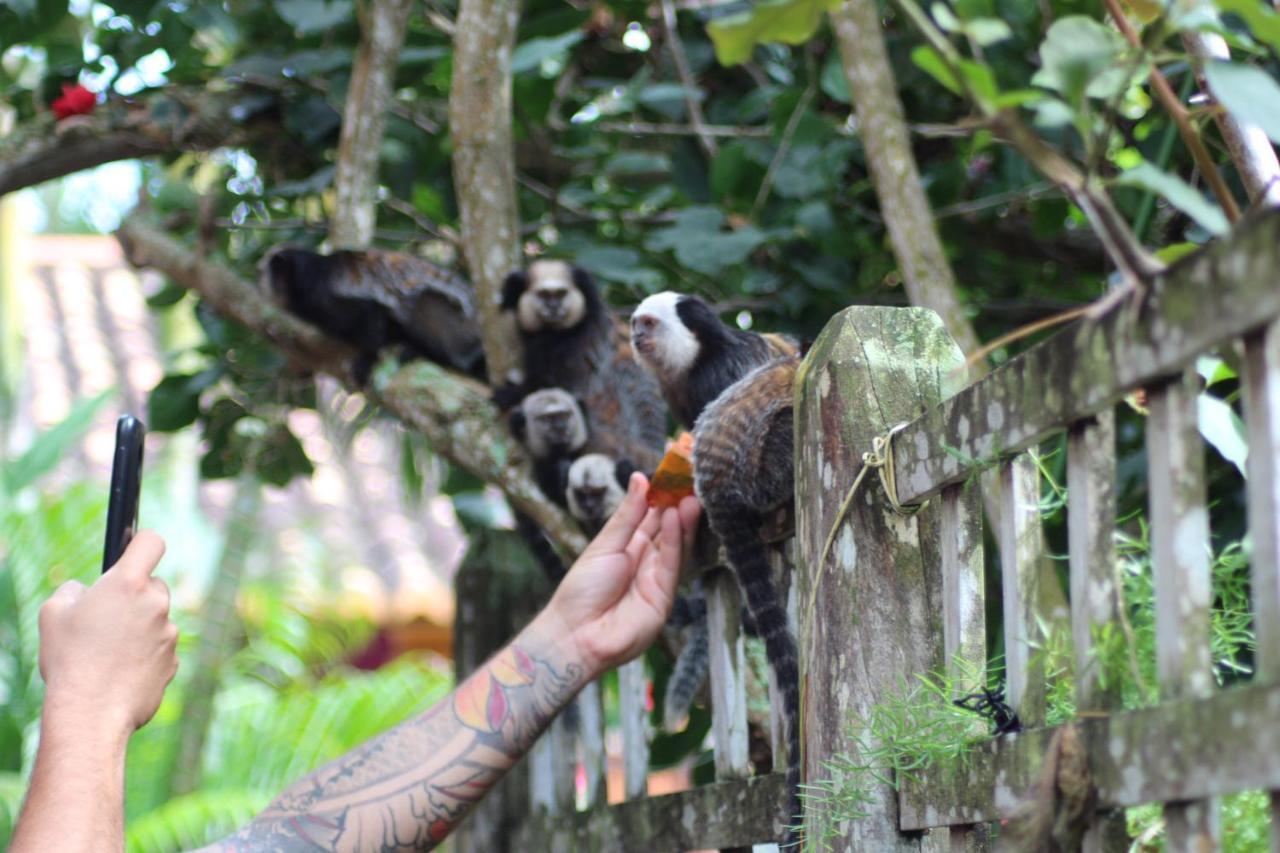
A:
{"x": 835, "y": 85}
{"x": 987, "y": 31}
{"x": 1214, "y": 369}
{"x": 51, "y": 446}
{"x": 1248, "y": 93}
{"x": 1223, "y": 428}
{"x": 1263, "y": 21}
{"x": 928, "y": 60}
{"x": 314, "y": 16}
{"x": 638, "y": 163}
{"x": 532, "y": 53}
{"x": 700, "y": 244}
{"x": 1178, "y": 193}
{"x": 617, "y": 263}
{"x": 769, "y": 22}
{"x": 1080, "y": 56}
{"x": 175, "y": 402}
{"x": 280, "y": 457}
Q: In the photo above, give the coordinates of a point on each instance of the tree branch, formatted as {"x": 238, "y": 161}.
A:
{"x": 174, "y": 119}
{"x": 1178, "y": 113}
{"x": 364, "y": 116}
{"x": 1250, "y": 149}
{"x": 686, "y": 79}
{"x": 453, "y": 412}
{"x": 926, "y": 273}
{"x": 484, "y": 165}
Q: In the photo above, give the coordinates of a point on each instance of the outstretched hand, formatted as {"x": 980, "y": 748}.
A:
{"x": 617, "y": 595}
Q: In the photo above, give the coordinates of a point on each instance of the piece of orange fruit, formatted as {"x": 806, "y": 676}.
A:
{"x": 673, "y": 481}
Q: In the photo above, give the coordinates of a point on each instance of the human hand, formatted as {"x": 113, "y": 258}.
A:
{"x": 107, "y": 651}
{"x": 617, "y": 595}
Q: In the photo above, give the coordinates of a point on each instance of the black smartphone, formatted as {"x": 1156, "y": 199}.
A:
{"x": 126, "y": 484}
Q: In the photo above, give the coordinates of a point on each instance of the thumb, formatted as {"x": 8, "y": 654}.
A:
{"x": 141, "y": 557}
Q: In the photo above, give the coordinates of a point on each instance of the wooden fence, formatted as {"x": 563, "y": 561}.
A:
{"x": 902, "y": 594}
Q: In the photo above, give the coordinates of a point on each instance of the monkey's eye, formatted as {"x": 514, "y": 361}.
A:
{"x": 644, "y": 323}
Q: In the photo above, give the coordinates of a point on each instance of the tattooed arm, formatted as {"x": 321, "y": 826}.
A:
{"x": 407, "y": 788}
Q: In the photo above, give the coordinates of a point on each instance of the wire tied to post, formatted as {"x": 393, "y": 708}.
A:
{"x": 880, "y": 459}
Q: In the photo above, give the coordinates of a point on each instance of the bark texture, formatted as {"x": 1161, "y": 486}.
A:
{"x": 926, "y": 273}
{"x": 484, "y": 164}
{"x": 174, "y": 119}
{"x": 453, "y": 412}
{"x": 364, "y": 116}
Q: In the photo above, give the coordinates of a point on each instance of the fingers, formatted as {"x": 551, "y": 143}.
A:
{"x": 141, "y": 557}
{"x": 670, "y": 554}
{"x": 643, "y": 536}
{"x": 622, "y": 526}
{"x": 62, "y": 598}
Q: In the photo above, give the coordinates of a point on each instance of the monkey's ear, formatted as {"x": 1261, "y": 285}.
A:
{"x": 515, "y": 284}
{"x": 622, "y": 471}
{"x": 518, "y": 424}
{"x": 583, "y": 280}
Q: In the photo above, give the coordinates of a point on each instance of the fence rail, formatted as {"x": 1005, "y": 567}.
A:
{"x": 900, "y": 595}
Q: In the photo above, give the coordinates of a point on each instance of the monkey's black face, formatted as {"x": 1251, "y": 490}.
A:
{"x": 558, "y": 429}
{"x": 552, "y": 301}
{"x": 591, "y": 502}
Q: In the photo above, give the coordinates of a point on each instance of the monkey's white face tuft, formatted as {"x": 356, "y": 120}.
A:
{"x": 593, "y": 493}
{"x": 552, "y": 301}
{"x": 662, "y": 343}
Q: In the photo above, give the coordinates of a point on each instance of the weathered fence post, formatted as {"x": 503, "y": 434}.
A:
{"x": 871, "y": 617}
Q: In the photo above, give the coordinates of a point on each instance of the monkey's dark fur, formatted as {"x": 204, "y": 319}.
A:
{"x": 743, "y": 472}
{"x": 694, "y": 355}
{"x": 572, "y": 341}
{"x": 375, "y": 299}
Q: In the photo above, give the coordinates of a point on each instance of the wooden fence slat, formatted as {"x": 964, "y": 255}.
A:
{"x": 1207, "y": 298}
{"x": 964, "y": 617}
{"x": 1091, "y": 521}
{"x": 1135, "y": 757}
{"x": 1260, "y": 384}
{"x": 721, "y": 815}
{"x": 632, "y": 693}
{"x": 1179, "y": 523}
{"x": 591, "y": 743}
{"x": 728, "y": 676}
{"x": 1019, "y": 578}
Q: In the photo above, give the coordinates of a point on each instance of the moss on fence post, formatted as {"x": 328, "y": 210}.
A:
{"x": 871, "y": 617}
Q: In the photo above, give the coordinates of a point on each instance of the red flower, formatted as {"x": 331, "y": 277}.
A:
{"x": 76, "y": 100}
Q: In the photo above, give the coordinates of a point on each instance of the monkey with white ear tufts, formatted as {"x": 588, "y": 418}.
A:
{"x": 572, "y": 341}
{"x": 374, "y": 299}
{"x": 552, "y": 425}
{"x": 693, "y": 355}
{"x": 596, "y": 486}
{"x": 734, "y": 389}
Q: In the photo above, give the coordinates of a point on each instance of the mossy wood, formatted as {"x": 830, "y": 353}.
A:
{"x": 725, "y": 814}
{"x": 1209, "y": 297}
{"x": 1176, "y": 751}
{"x": 872, "y": 614}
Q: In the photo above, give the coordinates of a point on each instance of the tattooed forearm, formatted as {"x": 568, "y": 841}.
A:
{"x": 407, "y": 788}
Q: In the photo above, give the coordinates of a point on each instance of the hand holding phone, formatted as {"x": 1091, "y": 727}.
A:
{"x": 126, "y": 485}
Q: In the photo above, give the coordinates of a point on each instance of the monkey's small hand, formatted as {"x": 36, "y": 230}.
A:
{"x": 617, "y": 595}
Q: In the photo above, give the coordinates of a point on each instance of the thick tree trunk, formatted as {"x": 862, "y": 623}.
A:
{"x": 925, "y": 271}
{"x": 364, "y": 116}
{"x": 484, "y": 165}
